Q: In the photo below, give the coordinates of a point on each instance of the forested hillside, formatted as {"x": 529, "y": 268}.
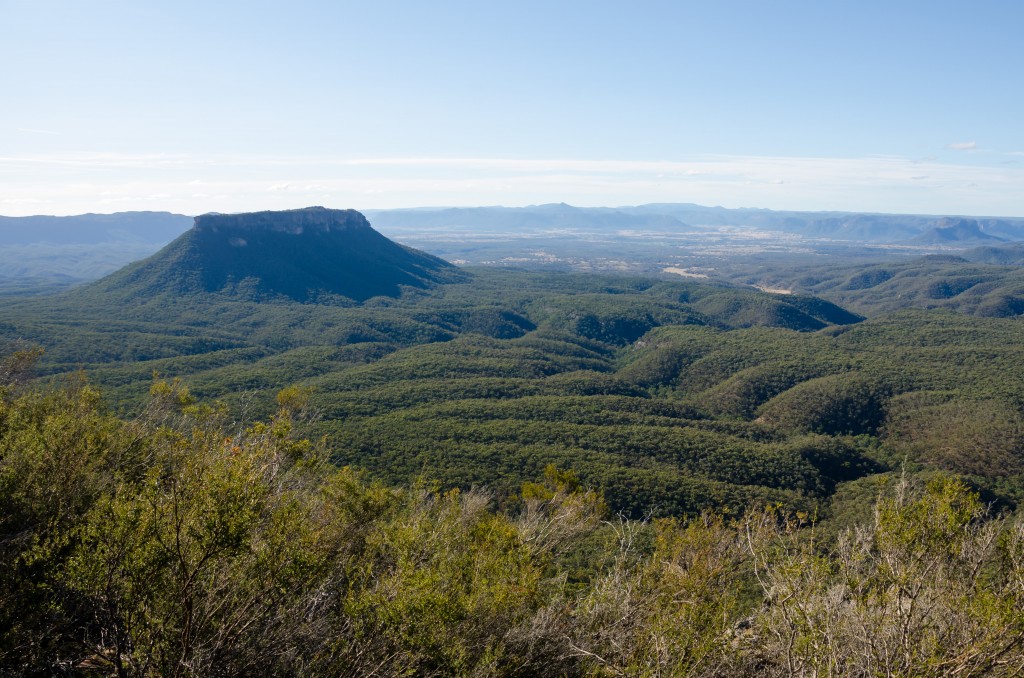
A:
{"x": 505, "y": 473}
{"x": 181, "y": 542}
{"x": 679, "y": 340}
{"x": 666, "y": 397}
{"x": 485, "y": 381}
{"x": 986, "y": 282}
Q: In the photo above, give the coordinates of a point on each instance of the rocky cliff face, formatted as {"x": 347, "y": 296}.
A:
{"x": 294, "y": 222}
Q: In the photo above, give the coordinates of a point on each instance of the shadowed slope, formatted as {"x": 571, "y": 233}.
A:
{"x": 299, "y": 254}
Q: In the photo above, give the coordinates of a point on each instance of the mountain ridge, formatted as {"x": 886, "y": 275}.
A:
{"x": 956, "y": 230}
{"x": 308, "y": 254}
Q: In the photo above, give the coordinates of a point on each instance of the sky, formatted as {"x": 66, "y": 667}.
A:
{"x": 189, "y": 107}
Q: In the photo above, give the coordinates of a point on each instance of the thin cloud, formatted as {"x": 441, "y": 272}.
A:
{"x": 104, "y": 160}
{"x": 24, "y": 201}
{"x": 32, "y": 130}
{"x": 963, "y": 146}
{"x": 242, "y": 183}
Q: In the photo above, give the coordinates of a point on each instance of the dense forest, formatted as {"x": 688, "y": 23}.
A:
{"x": 175, "y": 543}
{"x": 983, "y": 281}
{"x": 668, "y": 398}
{"x": 510, "y": 473}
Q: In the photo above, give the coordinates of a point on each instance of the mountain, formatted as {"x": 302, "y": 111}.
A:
{"x": 999, "y": 255}
{"x": 852, "y": 226}
{"x": 955, "y": 231}
{"x": 83, "y": 229}
{"x": 534, "y": 217}
{"x": 45, "y": 253}
{"x": 986, "y": 282}
{"x": 1007, "y": 229}
{"x": 832, "y": 225}
{"x": 301, "y": 254}
{"x": 861, "y": 227}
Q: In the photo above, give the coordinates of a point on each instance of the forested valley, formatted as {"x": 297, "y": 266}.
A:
{"x": 501, "y": 472}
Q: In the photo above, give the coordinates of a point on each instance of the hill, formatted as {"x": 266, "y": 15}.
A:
{"x": 179, "y": 540}
{"x": 303, "y": 255}
{"x": 660, "y": 217}
{"x": 83, "y": 229}
{"x": 665, "y": 396}
{"x": 955, "y": 231}
{"x": 986, "y": 281}
{"x": 547, "y": 346}
{"x": 48, "y": 252}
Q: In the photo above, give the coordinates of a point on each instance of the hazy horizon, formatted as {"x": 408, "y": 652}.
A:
{"x": 191, "y": 108}
{"x": 524, "y": 207}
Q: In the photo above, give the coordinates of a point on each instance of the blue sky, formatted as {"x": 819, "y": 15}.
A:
{"x": 232, "y": 106}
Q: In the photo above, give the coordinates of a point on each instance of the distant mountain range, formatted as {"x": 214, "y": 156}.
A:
{"x": 137, "y": 227}
{"x": 303, "y": 255}
{"x": 43, "y": 252}
{"x": 851, "y": 226}
{"x": 68, "y": 250}
{"x": 956, "y": 231}
{"x": 161, "y": 227}
{"x": 533, "y": 218}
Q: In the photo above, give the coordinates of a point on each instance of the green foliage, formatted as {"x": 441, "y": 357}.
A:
{"x": 983, "y": 438}
{"x": 58, "y": 456}
{"x": 745, "y": 391}
{"x": 555, "y": 481}
{"x": 488, "y": 382}
{"x": 177, "y": 544}
{"x": 985, "y": 286}
{"x": 669, "y": 614}
{"x": 932, "y": 587}
{"x": 17, "y": 366}
{"x": 165, "y": 547}
{"x": 195, "y": 533}
{"x": 839, "y": 404}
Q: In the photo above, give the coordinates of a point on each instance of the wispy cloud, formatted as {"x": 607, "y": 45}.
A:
{"x": 23, "y": 201}
{"x": 193, "y": 184}
{"x": 32, "y": 130}
{"x": 963, "y": 146}
{"x": 102, "y": 160}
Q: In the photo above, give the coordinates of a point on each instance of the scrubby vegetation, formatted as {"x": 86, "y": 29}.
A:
{"x": 184, "y": 542}
{"x": 521, "y": 474}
